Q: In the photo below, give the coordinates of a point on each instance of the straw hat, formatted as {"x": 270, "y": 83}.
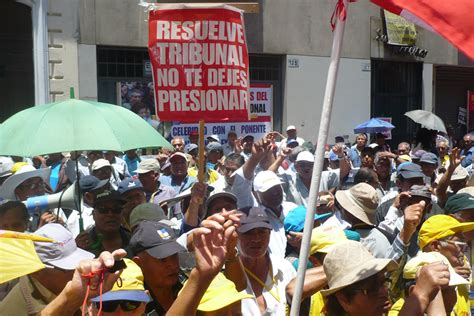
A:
{"x": 349, "y": 262}
{"x": 361, "y": 201}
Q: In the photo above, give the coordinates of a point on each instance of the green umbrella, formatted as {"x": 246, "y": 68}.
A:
{"x": 76, "y": 125}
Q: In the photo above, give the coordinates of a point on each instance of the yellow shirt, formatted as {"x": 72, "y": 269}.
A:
{"x": 317, "y": 305}
{"x": 211, "y": 176}
{"x": 396, "y": 308}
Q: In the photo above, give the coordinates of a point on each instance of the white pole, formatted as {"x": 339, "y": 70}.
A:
{"x": 319, "y": 160}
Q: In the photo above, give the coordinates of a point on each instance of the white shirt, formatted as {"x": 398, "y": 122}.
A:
{"x": 241, "y": 188}
{"x": 87, "y": 218}
{"x": 283, "y": 273}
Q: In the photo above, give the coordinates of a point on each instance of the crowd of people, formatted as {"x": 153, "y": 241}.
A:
{"x": 392, "y": 228}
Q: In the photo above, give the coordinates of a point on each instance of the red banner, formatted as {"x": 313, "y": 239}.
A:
{"x": 200, "y": 64}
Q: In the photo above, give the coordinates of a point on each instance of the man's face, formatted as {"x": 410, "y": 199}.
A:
{"x": 367, "y": 160}
{"x": 457, "y": 185}
{"x": 361, "y": 141}
{"x": 442, "y": 149}
{"x": 467, "y": 141}
{"x": 231, "y": 138}
{"x": 179, "y": 167}
{"x": 230, "y": 168}
{"x": 248, "y": 144}
{"x": 254, "y": 243}
{"x": 14, "y": 220}
{"x": 30, "y": 187}
{"x": 149, "y": 180}
{"x": 162, "y": 273}
{"x": 220, "y": 204}
{"x": 194, "y": 139}
{"x": 103, "y": 173}
{"x": 132, "y": 199}
{"x": 273, "y": 197}
{"x": 403, "y": 149}
{"x": 453, "y": 248}
{"x": 135, "y": 98}
{"x": 428, "y": 168}
{"x": 108, "y": 216}
{"x": 214, "y": 156}
{"x": 291, "y": 133}
{"x": 178, "y": 144}
{"x": 405, "y": 184}
{"x": 131, "y": 154}
{"x": 383, "y": 167}
{"x": 304, "y": 169}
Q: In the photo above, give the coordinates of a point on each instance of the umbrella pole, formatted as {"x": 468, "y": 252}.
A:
{"x": 319, "y": 161}
{"x": 77, "y": 196}
{"x": 201, "y": 165}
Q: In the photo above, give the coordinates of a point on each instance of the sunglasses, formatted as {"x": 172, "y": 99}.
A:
{"x": 111, "y": 306}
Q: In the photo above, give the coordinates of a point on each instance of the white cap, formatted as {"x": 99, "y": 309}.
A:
{"x": 290, "y": 127}
{"x": 100, "y": 163}
{"x": 180, "y": 154}
{"x": 305, "y": 156}
{"x": 214, "y": 137}
{"x": 265, "y": 180}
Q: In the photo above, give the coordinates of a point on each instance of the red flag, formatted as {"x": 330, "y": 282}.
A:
{"x": 451, "y": 20}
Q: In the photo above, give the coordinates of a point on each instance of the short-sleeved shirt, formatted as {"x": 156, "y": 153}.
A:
{"x": 178, "y": 188}
{"x": 283, "y": 273}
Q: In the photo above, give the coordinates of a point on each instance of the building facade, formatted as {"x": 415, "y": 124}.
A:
{"x": 94, "y": 44}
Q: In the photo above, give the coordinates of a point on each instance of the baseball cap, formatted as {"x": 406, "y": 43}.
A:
{"x": 176, "y": 155}
{"x": 323, "y": 238}
{"x": 90, "y": 183}
{"x": 421, "y": 191}
{"x": 148, "y": 212}
{"x": 248, "y": 136}
{"x": 190, "y": 147}
{"x": 100, "y": 163}
{"x": 157, "y": 239}
{"x": 290, "y": 127}
{"x": 459, "y": 202}
{"x": 265, "y": 180}
{"x": 429, "y": 158}
{"x": 63, "y": 252}
{"x": 294, "y": 220}
{"x": 148, "y": 165}
{"x": 130, "y": 288}
{"x": 6, "y": 164}
{"x": 213, "y": 138}
{"x": 214, "y": 146}
{"x": 414, "y": 264}
{"x": 441, "y": 226}
{"x": 305, "y": 156}
{"x": 220, "y": 293}
{"x": 253, "y": 217}
{"x": 219, "y": 195}
{"x": 292, "y": 143}
{"x": 409, "y": 170}
{"x": 107, "y": 195}
{"x": 129, "y": 184}
{"x": 459, "y": 174}
{"x": 404, "y": 158}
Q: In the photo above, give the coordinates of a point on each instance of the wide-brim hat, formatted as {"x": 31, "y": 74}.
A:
{"x": 361, "y": 201}
{"x": 7, "y": 190}
{"x": 349, "y": 262}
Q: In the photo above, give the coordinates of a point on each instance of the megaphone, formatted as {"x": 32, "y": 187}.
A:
{"x": 63, "y": 199}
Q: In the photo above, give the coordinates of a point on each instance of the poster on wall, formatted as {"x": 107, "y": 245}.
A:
{"x": 199, "y": 63}
{"x": 261, "y": 110}
{"x": 399, "y": 31}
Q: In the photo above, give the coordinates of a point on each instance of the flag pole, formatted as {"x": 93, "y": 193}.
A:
{"x": 319, "y": 160}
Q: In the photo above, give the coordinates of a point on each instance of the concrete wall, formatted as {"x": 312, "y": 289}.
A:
{"x": 304, "y": 92}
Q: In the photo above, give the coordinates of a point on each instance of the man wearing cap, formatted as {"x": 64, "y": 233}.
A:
{"x": 444, "y": 234}
{"x": 148, "y": 172}
{"x": 247, "y": 145}
{"x": 194, "y": 137}
{"x": 468, "y": 150}
{"x": 103, "y": 170}
{"x": 212, "y": 157}
{"x": 429, "y": 163}
{"x": 133, "y": 194}
{"x": 179, "y": 180}
{"x": 356, "y": 149}
{"x": 220, "y": 201}
{"x": 108, "y": 233}
{"x": 178, "y": 143}
{"x": 291, "y": 133}
{"x": 155, "y": 250}
{"x": 89, "y": 187}
{"x": 148, "y": 212}
{"x": 230, "y": 147}
{"x": 35, "y": 291}
{"x": 215, "y": 152}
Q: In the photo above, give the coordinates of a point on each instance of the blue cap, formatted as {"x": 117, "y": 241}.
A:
{"x": 91, "y": 183}
{"x": 190, "y": 147}
{"x": 294, "y": 220}
{"x": 129, "y": 184}
{"x": 409, "y": 170}
{"x": 429, "y": 158}
{"x": 333, "y": 156}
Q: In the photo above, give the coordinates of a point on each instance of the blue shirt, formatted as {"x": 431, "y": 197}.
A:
{"x": 132, "y": 164}
{"x": 355, "y": 157}
{"x": 54, "y": 177}
{"x": 178, "y": 188}
{"x": 469, "y": 156}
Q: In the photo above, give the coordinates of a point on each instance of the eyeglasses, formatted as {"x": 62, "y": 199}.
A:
{"x": 107, "y": 210}
{"x": 373, "y": 290}
{"x": 461, "y": 245}
{"x": 125, "y": 305}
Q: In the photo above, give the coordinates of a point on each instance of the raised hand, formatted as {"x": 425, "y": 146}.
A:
{"x": 455, "y": 158}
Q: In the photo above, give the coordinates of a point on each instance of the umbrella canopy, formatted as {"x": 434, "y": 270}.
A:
{"x": 18, "y": 255}
{"x": 427, "y": 119}
{"x": 76, "y": 125}
{"x": 374, "y": 125}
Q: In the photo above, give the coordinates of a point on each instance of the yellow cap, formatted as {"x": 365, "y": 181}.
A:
{"x": 414, "y": 264}
{"x": 220, "y": 293}
{"x": 404, "y": 158}
{"x": 129, "y": 286}
{"x": 324, "y": 238}
{"x": 440, "y": 226}
{"x": 17, "y": 166}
